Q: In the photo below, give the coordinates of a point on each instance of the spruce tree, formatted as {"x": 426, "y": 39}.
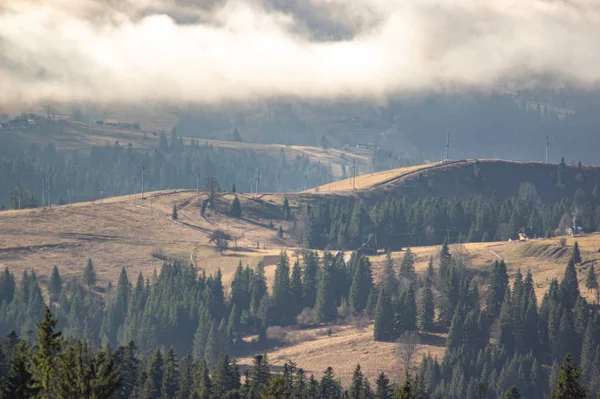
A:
{"x": 259, "y": 287}
{"x": 281, "y": 291}
{"x": 512, "y": 393}
{"x": 154, "y": 376}
{"x": 285, "y": 209}
{"x": 362, "y": 283}
{"x": 329, "y": 386}
{"x": 576, "y": 254}
{"x": 211, "y": 353}
{"x": 236, "y": 208}
{"x": 426, "y": 308}
{"x": 174, "y": 213}
{"x": 384, "y": 319}
{"x": 407, "y": 272}
{"x": 202, "y": 383}
{"x": 185, "y": 385}
{"x": 7, "y": 286}
{"x": 55, "y": 284}
{"x": 260, "y": 374}
{"x": 567, "y": 385}
{"x": 309, "y": 279}
{"x": 325, "y": 309}
{"x": 388, "y": 277}
{"x": 384, "y": 389}
{"x": 296, "y": 288}
{"x": 20, "y": 382}
{"x": 569, "y": 286}
{"x": 356, "y": 390}
{"x": 89, "y": 275}
{"x": 409, "y": 310}
{"x": 225, "y": 377}
{"x": 170, "y": 376}
{"x": 497, "y": 284}
{"x": 45, "y": 357}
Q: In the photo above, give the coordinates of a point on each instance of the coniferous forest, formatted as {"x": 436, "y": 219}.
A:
{"x": 177, "y": 333}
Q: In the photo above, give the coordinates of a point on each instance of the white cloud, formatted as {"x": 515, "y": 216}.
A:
{"x": 102, "y": 51}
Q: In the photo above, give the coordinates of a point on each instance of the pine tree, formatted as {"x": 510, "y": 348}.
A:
{"x": 569, "y": 286}
{"x": 259, "y": 287}
{"x": 591, "y": 280}
{"x": 170, "y": 376}
{"x": 409, "y": 310}
{"x": 329, "y": 386}
{"x": 260, "y": 375}
{"x": 325, "y": 309}
{"x": 388, "y": 278}
{"x": 296, "y": 288}
{"x": 202, "y": 383}
{"x": 174, "y": 213}
{"x": 406, "y": 390}
{"x": 211, "y": 353}
{"x": 225, "y": 377}
{"x": 44, "y": 359}
{"x": 20, "y": 382}
{"x": 384, "y": 389}
{"x": 7, "y": 286}
{"x": 497, "y": 284}
{"x": 357, "y": 386}
{"x": 407, "y": 268}
{"x": 567, "y": 385}
{"x": 154, "y": 376}
{"x": 384, "y": 319}
{"x": 185, "y": 385}
{"x": 55, "y": 284}
{"x": 430, "y": 271}
{"x": 426, "y": 308}
{"x": 236, "y": 208}
{"x": 282, "y": 291}
{"x": 89, "y": 276}
{"x": 362, "y": 283}
{"x": 285, "y": 209}
{"x": 576, "y": 254}
{"x": 309, "y": 279}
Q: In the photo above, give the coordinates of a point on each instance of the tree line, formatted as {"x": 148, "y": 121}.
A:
{"x": 117, "y": 170}
{"x": 397, "y": 223}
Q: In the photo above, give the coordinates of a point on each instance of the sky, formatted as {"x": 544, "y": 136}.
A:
{"x": 191, "y": 51}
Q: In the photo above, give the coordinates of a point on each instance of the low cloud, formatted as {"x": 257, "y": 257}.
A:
{"x": 214, "y": 51}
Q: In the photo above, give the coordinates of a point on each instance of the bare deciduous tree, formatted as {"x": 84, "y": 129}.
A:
{"x": 407, "y": 347}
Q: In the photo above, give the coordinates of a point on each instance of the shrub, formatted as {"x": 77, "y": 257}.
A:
{"x": 562, "y": 242}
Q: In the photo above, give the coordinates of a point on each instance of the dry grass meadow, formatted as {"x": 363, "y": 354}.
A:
{"x": 126, "y": 231}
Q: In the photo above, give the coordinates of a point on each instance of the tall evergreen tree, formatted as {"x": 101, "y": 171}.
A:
{"x": 281, "y": 291}
{"x": 388, "y": 278}
{"x": 362, "y": 283}
{"x": 356, "y": 390}
{"x": 569, "y": 286}
{"x": 567, "y": 385}
{"x": 330, "y": 386}
{"x": 236, "y": 208}
{"x": 591, "y": 281}
{"x": 407, "y": 272}
{"x": 174, "y": 212}
{"x": 259, "y": 287}
{"x": 426, "y": 308}
{"x": 170, "y": 376}
{"x": 309, "y": 278}
{"x": 45, "y": 357}
{"x": 89, "y": 276}
{"x": 384, "y": 319}
{"x": 154, "y": 376}
{"x": 7, "y": 286}
{"x": 19, "y": 383}
{"x": 576, "y": 254}
{"x": 497, "y": 284}
{"x": 55, "y": 284}
{"x": 384, "y": 389}
{"x": 260, "y": 374}
{"x": 202, "y": 383}
{"x": 296, "y": 289}
{"x": 325, "y": 309}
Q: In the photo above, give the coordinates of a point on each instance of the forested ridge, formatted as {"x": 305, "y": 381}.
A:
{"x": 117, "y": 170}
{"x": 496, "y": 340}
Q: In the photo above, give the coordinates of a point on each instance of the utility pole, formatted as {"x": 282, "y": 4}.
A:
{"x": 19, "y": 192}
{"x": 547, "y": 149}
{"x": 447, "y": 145}
{"x": 354, "y": 174}
{"x": 43, "y": 191}
{"x": 49, "y": 193}
{"x": 278, "y": 182}
{"x": 257, "y": 180}
{"x": 143, "y": 171}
